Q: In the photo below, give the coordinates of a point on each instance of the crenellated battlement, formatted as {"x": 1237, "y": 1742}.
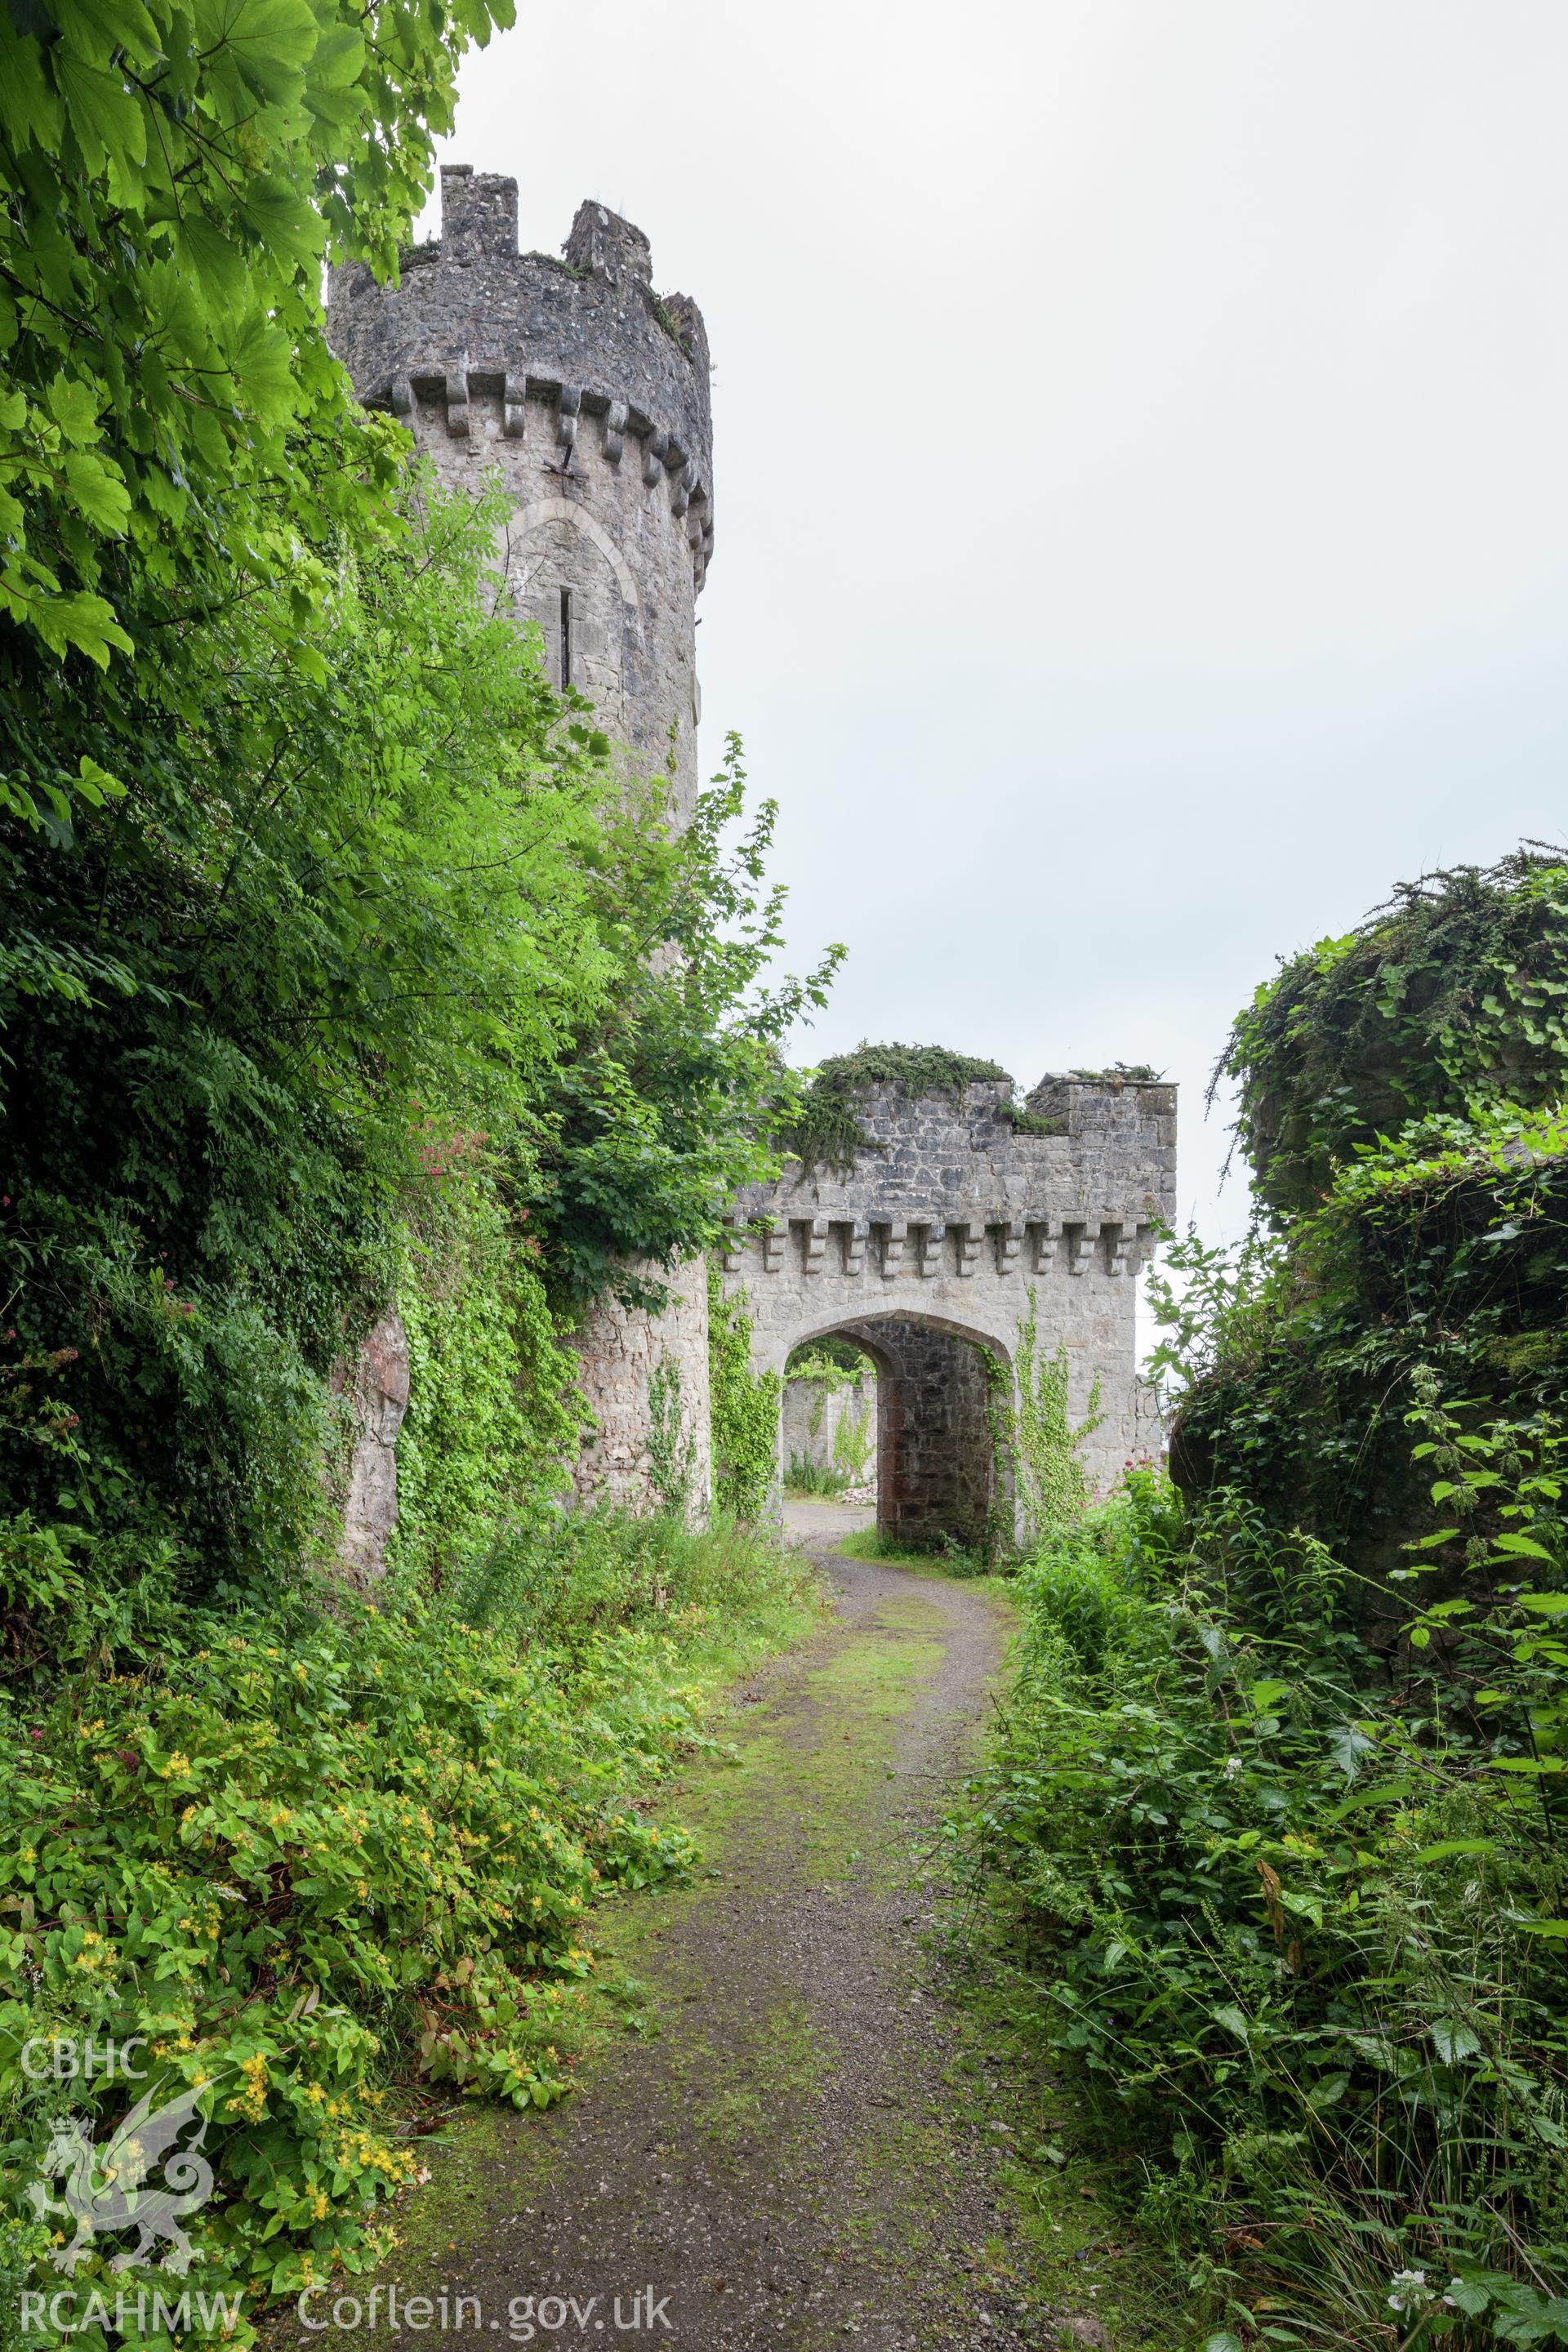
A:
{"x": 956, "y": 1212}
{"x": 587, "y": 394}
{"x": 477, "y": 335}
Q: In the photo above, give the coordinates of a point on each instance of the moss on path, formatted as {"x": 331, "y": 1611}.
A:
{"x": 816, "y": 2139}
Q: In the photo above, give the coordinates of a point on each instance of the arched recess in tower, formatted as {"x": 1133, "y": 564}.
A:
{"x": 945, "y": 1475}
{"x": 567, "y": 576}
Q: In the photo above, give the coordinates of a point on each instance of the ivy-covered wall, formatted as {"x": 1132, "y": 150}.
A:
{"x": 1401, "y": 1103}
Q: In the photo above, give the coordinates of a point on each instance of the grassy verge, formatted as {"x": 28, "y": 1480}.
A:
{"x": 304, "y": 1855}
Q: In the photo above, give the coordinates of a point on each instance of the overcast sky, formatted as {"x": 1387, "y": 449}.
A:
{"x": 1139, "y": 482}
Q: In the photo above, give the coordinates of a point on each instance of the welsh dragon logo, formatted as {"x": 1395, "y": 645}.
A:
{"x": 104, "y": 2183}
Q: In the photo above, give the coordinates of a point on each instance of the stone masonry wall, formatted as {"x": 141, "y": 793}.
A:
{"x": 620, "y": 1349}
{"x": 952, "y": 1217}
{"x": 937, "y": 1475}
{"x": 813, "y": 1413}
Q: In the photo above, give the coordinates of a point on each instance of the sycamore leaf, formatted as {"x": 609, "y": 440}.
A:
{"x": 13, "y": 411}
{"x": 338, "y": 58}
{"x": 74, "y": 409}
{"x": 97, "y": 491}
{"x": 279, "y": 219}
{"x": 96, "y": 28}
{"x": 30, "y": 108}
{"x": 105, "y": 116}
{"x": 219, "y": 264}
{"x": 86, "y": 622}
{"x": 260, "y": 358}
{"x": 266, "y": 41}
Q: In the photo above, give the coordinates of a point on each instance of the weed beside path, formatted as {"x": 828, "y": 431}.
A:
{"x": 813, "y": 2139}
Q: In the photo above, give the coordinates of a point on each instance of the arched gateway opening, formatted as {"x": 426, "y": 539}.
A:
{"x": 961, "y": 1227}
{"x": 944, "y": 1478}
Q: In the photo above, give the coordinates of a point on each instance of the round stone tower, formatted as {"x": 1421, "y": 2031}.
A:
{"x": 589, "y": 393}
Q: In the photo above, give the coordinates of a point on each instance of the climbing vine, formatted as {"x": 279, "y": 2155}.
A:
{"x": 493, "y": 1412}
{"x": 670, "y": 1448}
{"x": 1037, "y": 1421}
{"x": 744, "y": 1407}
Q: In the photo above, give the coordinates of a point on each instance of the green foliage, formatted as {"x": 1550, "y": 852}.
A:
{"x": 1454, "y": 995}
{"x": 1037, "y": 1431}
{"x": 493, "y": 1412}
{"x": 743, "y": 1409}
{"x": 671, "y": 1441}
{"x": 1400, "y": 1102}
{"x": 304, "y": 1852}
{"x": 1277, "y": 1813}
{"x": 660, "y": 1115}
{"x": 852, "y": 1443}
{"x": 201, "y": 1167}
{"x": 826, "y": 1479}
{"x": 1294, "y": 1907}
{"x": 174, "y": 179}
{"x": 837, "y": 1364}
{"x": 727, "y": 1586}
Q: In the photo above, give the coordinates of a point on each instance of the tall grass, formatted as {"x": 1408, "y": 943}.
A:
{"x": 729, "y": 1584}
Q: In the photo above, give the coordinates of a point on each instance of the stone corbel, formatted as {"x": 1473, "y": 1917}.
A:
{"x": 774, "y": 1240}
{"x": 514, "y": 414}
{"x": 734, "y": 1243}
{"x": 654, "y": 448}
{"x": 893, "y": 1248}
{"x": 402, "y": 397}
{"x": 971, "y": 1240}
{"x": 816, "y": 1244}
{"x": 855, "y": 1247}
{"x": 685, "y": 483}
{"x": 1011, "y": 1245}
{"x": 570, "y": 407}
{"x": 1083, "y": 1248}
{"x": 615, "y": 430}
{"x": 458, "y": 398}
{"x": 1123, "y": 1248}
{"x": 1048, "y": 1237}
{"x": 930, "y": 1250}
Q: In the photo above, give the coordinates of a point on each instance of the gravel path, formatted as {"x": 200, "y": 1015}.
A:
{"x": 783, "y": 2163}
